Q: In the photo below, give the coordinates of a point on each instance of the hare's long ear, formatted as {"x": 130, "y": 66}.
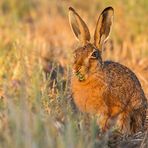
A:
{"x": 78, "y": 26}
{"x": 103, "y": 27}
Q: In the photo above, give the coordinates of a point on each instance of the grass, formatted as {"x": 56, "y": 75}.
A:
{"x": 37, "y": 109}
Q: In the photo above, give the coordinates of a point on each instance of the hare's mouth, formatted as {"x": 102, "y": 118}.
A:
{"x": 80, "y": 76}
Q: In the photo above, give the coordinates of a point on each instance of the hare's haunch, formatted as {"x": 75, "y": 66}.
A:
{"x": 104, "y": 88}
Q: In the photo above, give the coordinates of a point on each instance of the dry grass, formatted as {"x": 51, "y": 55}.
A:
{"x": 36, "y": 108}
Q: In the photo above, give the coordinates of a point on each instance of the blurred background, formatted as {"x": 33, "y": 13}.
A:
{"x": 36, "y": 45}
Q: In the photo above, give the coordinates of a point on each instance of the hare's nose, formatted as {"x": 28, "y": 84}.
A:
{"x": 76, "y": 68}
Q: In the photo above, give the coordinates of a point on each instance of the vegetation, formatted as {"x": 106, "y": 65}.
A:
{"x": 36, "y": 106}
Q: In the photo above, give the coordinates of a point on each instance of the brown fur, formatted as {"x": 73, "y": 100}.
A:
{"x": 108, "y": 89}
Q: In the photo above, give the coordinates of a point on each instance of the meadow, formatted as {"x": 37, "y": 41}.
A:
{"x": 36, "y": 46}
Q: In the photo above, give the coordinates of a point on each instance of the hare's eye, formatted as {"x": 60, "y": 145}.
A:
{"x": 95, "y": 54}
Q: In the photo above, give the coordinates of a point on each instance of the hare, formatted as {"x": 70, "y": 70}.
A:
{"x": 106, "y": 89}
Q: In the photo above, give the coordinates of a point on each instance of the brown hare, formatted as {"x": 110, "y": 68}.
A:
{"x": 104, "y": 88}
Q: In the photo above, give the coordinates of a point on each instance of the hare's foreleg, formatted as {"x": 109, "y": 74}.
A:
{"x": 103, "y": 122}
{"x": 123, "y": 123}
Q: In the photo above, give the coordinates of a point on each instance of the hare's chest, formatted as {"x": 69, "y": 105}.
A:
{"x": 88, "y": 98}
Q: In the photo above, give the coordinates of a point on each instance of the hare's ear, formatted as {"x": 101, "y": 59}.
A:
{"x": 78, "y": 26}
{"x": 103, "y": 27}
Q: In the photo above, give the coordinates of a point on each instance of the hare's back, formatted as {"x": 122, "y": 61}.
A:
{"x": 122, "y": 83}
{"x": 120, "y": 73}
